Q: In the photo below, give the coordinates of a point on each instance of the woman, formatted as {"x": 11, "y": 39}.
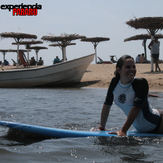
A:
{"x": 131, "y": 95}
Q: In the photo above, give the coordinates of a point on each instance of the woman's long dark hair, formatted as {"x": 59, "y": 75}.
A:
{"x": 120, "y": 63}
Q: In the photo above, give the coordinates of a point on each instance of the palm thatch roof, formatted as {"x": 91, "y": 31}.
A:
{"x": 38, "y": 47}
{"x": 11, "y": 50}
{"x": 62, "y": 38}
{"x": 63, "y": 41}
{"x": 28, "y": 42}
{"x": 95, "y": 39}
{"x": 54, "y": 45}
{"x": 17, "y": 35}
{"x": 138, "y": 37}
{"x": 151, "y": 24}
{"x": 143, "y": 37}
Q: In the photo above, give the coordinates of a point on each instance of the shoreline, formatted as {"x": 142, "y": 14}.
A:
{"x": 100, "y": 75}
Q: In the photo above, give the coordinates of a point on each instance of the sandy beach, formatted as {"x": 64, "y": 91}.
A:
{"x": 99, "y": 76}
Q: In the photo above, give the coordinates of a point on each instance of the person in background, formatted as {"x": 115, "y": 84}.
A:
{"x": 138, "y": 58}
{"x": 32, "y": 61}
{"x": 154, "y": 47}
{"x": 131, "y": 95}
{"x": 56, "y": 60}
{"x": 142, "y": 58}
{"x": 6, "y": 63}
{"x": 40, "y": 62}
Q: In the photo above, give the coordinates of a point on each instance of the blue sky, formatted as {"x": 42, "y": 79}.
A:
{"x": 92, "y": 18}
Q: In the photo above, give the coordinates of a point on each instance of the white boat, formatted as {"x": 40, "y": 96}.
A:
{"x": 60, "y": 74}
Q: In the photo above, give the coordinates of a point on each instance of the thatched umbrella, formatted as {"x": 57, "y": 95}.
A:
{"x": 55, "y": 45}
{"x": 138, "y": 37}
{"x": 37, "y": 49}
{"x": 143, "y": 37}
{"x": 18, "y": 37}
{"x": 28, "y": 44}
{"x": 63, "y": 41}
{"x": 95, "y": 41}
{"x": 151, "y": 24}
{"x": 4, "y": 51}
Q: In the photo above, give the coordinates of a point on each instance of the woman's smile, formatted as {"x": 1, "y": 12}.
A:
{"x": 128, "y": 71}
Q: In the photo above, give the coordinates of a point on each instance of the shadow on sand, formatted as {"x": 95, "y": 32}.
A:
{"x": 157, "y": 72}
{"x": 86, "y": 83}
{"x": 77, "y": 85}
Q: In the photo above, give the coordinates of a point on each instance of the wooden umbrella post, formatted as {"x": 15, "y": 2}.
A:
{"x": 64, "y": 53}
{"x": 4, "y": 53}
{"x": 95, "y": 48}
{"x": 145, "y": 48}
{"x": 95, "y": 41}
{"x": 63, "y": 41}
{"x": 37, "y": 56}
{"x": 17, "y": 52}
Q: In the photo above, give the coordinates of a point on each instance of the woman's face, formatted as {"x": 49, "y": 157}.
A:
{"x": 128, "y": 71}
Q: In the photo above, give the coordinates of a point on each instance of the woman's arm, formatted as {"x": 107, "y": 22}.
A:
{"x": 130, "y": 119}
{"x": 104, "y": 116}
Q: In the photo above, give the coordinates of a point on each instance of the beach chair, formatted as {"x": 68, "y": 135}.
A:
{"x": 22, "y": 59}
{"x": 14, "y": 63}
{"x": 103, "y": 62}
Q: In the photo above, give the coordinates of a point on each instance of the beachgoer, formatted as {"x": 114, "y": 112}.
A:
{"x": 6, "y": 63}
{"x": 32, "y": 61}
{"x": 112, "y": 59}
{"x": 142, "y": 58}
{"x": 138, "y": 58}
{"x": 131, "y": 95}
{"x": 40, "y": 62}
{"x": 154, "y": 46}
{"x": 56, "y": 60}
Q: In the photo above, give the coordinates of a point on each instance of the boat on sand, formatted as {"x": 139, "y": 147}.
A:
{"x": 63, "y": 74}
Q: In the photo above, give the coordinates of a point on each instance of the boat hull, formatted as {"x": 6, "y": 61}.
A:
{"x": 61, "y": 74}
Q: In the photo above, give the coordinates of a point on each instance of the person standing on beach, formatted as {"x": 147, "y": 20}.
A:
{"x": 154, "y": 46}
{"x": 131, "y": 95}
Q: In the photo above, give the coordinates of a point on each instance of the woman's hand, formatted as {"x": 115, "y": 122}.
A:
{"x": 101, "y": 128}
{"x": 119, "y": 133}
{"x": 97, "y": 129}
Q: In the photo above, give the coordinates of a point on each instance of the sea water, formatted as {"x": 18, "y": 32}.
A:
{"x": 77, "y": 109}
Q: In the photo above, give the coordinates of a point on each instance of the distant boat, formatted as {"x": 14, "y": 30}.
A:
{"x": 61, "y": 74}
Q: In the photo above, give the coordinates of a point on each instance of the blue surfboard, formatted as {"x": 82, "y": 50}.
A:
{"x": 64, "y": 133}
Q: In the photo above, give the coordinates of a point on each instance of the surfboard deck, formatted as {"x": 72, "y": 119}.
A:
{"x": 64, "y": 133}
